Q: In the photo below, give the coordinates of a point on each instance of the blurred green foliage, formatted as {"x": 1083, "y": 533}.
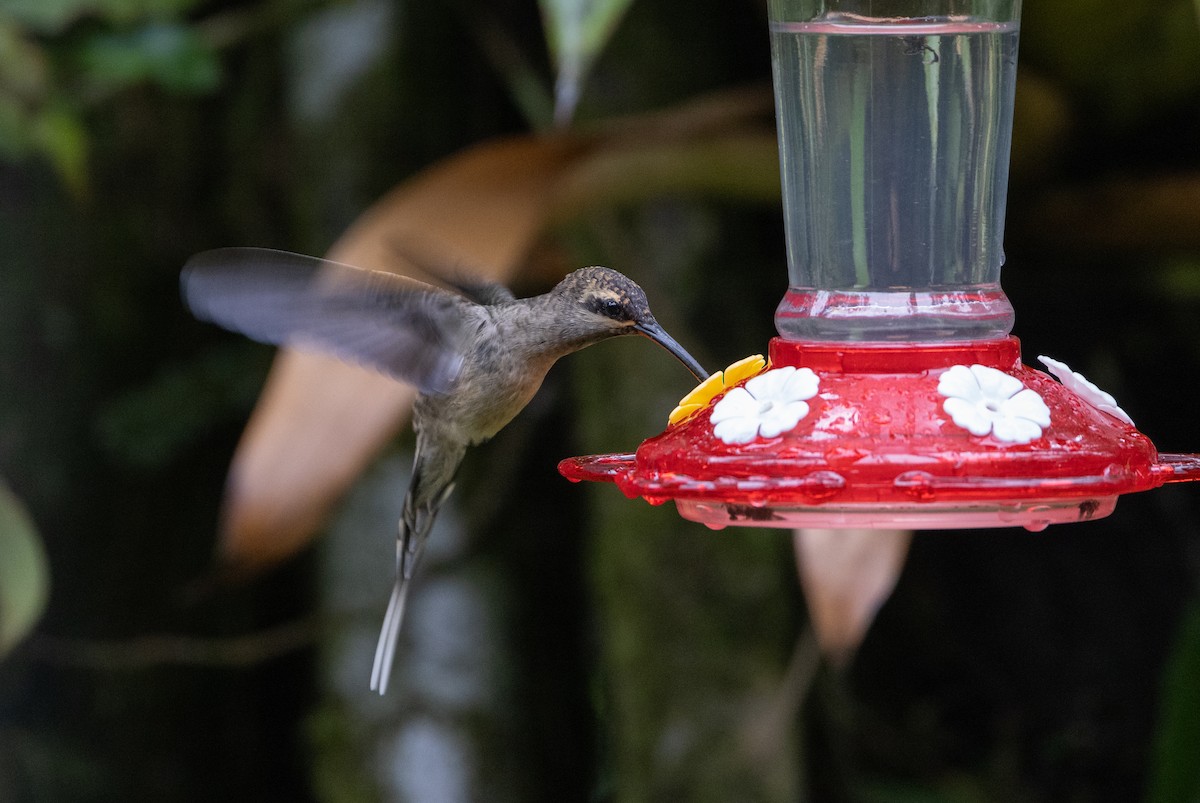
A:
{"x": 576, "y": 33}
{"x": 55, "y": 16}
{"x": 60, "y": 57}
{"x": 171, "y": 55}
{"x": 24, "y": 577}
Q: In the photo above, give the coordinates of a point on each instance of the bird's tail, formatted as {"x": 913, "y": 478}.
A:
{"x": 415, "y": 524}
{"x": 385, "y": 649}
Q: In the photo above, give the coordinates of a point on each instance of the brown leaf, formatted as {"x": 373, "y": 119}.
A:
{"x": 846, "y": 576}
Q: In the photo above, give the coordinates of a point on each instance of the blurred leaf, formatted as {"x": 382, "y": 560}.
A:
{"x": 60, "y": 136}
{"x": 525, "y": 83}
{"x": 1175, "y": 771}
{"x": 331, "y": 51}
{"x": 24, "y": 577}
{"x": 38, "y": 117}
{"x": 52, "y": 16}
{"x": 740, "y": 165}
{"x": 171, "y": 55}
{"x": 14, "y": 131}
{"x": 54, "y": 132}
{"x": 23, "y": 68}
{"x": 23, "y": 83}
{"x": 47, "y": 16}
{"x": 847, "y": 575}
{"x": 576, "y": 31}
{"x": 31, "y": 119}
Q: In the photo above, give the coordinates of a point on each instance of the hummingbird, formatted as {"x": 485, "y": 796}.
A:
{"x": 476, "y": 353}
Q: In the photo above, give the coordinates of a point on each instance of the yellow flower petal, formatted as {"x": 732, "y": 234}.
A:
{"x": 703, "y": 392}
{"x": 743, "y": 369}
{"x": 683, "y": 411}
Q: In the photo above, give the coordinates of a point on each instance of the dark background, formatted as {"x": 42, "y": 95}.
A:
{"x": 1060, "y": 666}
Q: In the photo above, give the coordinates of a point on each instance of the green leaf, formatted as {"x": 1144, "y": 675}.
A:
{"x": 24, "y": 578}
{"x": 46, "y": 16}
{"x": 576, "y": 32}
{"x": 1175, "y": 774}
{"x": 54, "y": 16}
{"x": 170, "y": 55}
{"x": 24, "y": 71}
{"x": 60, "y": 136}
{"x": 14, "y": 131}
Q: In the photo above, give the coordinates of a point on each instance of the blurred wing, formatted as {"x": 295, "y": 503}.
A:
{"x": 402, "y": 328}
{"x": 481, "y": 291}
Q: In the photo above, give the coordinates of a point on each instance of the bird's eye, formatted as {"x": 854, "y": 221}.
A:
{"x": 611, "y": 308}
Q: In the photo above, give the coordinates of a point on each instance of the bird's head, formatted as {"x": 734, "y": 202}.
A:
{"x": 602, "y": 303}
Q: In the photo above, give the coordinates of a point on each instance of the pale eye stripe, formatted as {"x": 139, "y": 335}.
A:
{"x": 608, "y": 295}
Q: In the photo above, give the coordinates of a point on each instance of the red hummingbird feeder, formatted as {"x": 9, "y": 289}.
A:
{"x": 894, "y": 395}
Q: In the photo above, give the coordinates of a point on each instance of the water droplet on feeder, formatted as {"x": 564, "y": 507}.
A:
{"x": 917, "y": 484}
{"x": 821, "y": 485}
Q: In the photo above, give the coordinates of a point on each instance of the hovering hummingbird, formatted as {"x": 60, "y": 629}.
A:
{"x": 477, "y": 355}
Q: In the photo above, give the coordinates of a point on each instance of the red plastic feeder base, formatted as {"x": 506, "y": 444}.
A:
{"x": 915, "y": 436}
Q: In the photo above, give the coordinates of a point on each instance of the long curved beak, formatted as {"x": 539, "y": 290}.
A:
{"x": 655, "y": 332}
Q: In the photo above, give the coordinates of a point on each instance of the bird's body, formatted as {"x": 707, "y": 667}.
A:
{"x": 478, "y": 356}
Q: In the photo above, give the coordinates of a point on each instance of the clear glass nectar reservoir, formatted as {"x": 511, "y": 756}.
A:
{"x": 894, "y": 138}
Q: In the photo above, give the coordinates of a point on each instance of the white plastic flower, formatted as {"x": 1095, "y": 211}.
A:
{"x": 984, "y": 400}
{"x": 768, "y": 405}
{"x": 1078, "y": 384}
